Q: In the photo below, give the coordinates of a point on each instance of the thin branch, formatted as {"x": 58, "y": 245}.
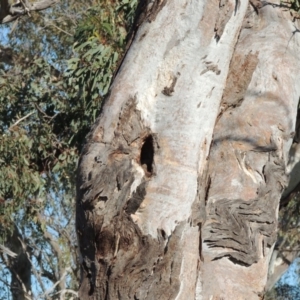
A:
{"x": 38, "y": 277}
{"x": 20, "y": 120}
{"x": 48, "y": 275}
{"x": 57, "y": 283}
{"x": 60, "y": 29}
{"x": 289, "y": 250}
{"x": 66, "y": 291}
{"x": 42, "y": 112}
{"x": 5, "y": 282}
{"x": 7, "y": 16}
{"x": 40, "y": 5}
{"x": 7, "y": 251}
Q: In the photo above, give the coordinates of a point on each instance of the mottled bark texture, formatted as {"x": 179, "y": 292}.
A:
{"x": 180, "y": 179}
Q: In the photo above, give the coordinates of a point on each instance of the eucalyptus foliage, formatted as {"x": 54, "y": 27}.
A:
{"x": 61, "y": 64}
{"x": 48, "y": 106}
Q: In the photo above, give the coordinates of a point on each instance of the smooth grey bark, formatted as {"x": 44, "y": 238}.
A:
{"x": 180, "y": 180}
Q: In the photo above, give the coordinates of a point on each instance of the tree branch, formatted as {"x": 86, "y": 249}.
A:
{"x": 10, "y": 13}
{"x": 7, "y": 251}
{"x": 21, "y": 119}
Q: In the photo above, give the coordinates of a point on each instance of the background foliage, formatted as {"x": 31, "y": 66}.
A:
{"x": 55, "y": 70}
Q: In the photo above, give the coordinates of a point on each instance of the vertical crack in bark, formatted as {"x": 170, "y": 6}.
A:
{"x": 225, "y": 13}
{"x": 154, "y": 9}
{"x": 199, "y": 205}
{"x": 207, "y": 187}
{"x": 200, "y": 242}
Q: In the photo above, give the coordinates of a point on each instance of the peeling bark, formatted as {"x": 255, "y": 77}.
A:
{"x": 180, "y": 180}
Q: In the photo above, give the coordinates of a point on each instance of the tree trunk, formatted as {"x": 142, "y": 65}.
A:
{"x": 19, "y": 266}
{"x": 180, "y": 180}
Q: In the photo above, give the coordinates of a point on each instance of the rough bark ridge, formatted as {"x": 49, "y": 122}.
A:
{"x": 253, "y": 133}
{"x": 179, "y": 182}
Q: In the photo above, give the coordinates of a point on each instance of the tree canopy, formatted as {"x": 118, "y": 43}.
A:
{"x": 56, "y": 68}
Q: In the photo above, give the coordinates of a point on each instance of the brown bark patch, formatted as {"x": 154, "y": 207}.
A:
{"x": 130, "y": 264}
{"x": 209, "y": 18}
{"x": 155, "y": 8}
{"x": 136, "y": 199}
{"x": 104, "y": 197}
{"x": 239, "y": 78}
{"x": 117, "y": 260}
{"x": 225, "y": 13}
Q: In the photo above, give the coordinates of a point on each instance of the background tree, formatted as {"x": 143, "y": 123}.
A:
{"x": 56, "y": 67}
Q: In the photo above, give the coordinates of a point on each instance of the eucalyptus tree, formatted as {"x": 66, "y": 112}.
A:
{"x": 181, "y": 176}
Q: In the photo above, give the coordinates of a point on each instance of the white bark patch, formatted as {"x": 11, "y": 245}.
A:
{"x": 182, "y": 125}
{"x": 236, "y": 183}
{"x": 188, "y": 272}
{"x": 139, "y": 174}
